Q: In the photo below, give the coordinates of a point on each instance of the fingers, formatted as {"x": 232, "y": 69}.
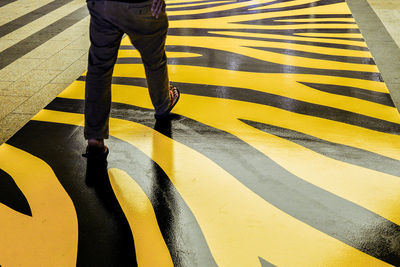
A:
{"x": 158, "y": 11}
{"x": 157, "y": 7}
{"x": 153, "y": 6}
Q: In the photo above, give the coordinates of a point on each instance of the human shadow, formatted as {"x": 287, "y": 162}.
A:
{"x": 107, "y": 219}
{"x": 98, "y": 179}
{"x": 163, "y": 194}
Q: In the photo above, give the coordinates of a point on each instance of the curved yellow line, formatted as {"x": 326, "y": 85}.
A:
{"x": 229, "y": 21}
{"x": 285, "y": 4}
{"x": 245, "y": 47}
{"x": 241, "y": 46}
{"x": 201, "y": 2}
{"x": 286, "y": 85}
{"x": 351, "y": 182}
{"x": 318, "y": 20}
{"x": 231, "y": 5}
{"x": 208, "y": 23}
{"x": 238, "y": 225}
{"x": 150, "y": 246}
{"x": 193, "y": 106}
{"x": 50, "y": 236}
{"x": 298, "y": 37}
{"x": 135, "y": 53}
{"x": 329, "y": 35}
{"x": 183, "y": 1}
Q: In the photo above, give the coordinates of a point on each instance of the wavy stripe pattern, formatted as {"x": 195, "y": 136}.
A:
{"x": 284, "y": 146}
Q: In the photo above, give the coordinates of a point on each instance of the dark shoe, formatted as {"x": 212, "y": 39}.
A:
{"x": 174, "y": 97}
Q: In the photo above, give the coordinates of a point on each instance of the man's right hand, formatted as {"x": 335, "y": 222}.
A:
{"x": 157, "y": 8}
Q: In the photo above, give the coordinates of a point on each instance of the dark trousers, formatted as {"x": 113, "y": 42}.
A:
{"x": 109, "y": 20}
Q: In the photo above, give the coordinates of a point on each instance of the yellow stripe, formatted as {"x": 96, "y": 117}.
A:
{"x": 135, "y": 53}
{"x": 289, "y": 37}
{"x": 228, "y": 22}
{"x": 50, "y": 236}
{"x": 373, "y": 190}
{"x": 269, "y": 83}
{"x": 216, "y": 8}
{"x": 150, "y": 247}
{"x": 194, "y": 5}
{"x": 216, "y": 199}
{"x": 208, "y": 23}
{"x": 183, "y": 1}
{"x": 239, "y": 46}
{"x": 284, "y": 4}
{"x": 243, "y": 47}
{"x": 342, "y": 81}
{"x": 316, "y": 20}
{"x": 327, "y": 35}
{"x": 351, "y": 182}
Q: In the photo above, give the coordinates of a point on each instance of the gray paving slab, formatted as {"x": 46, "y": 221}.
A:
{"x": 382, "y": 46}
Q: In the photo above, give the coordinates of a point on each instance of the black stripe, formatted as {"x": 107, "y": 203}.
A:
{"x": 290, "y": 31}
{"x": 372, "y": 96}
{"x": 330, "y": 37}
{"x": 213, "y": 58}
{"x": 168, "y": 204}
{"x": 23, "y": 47}
{"x": 296, "y": 197}
{"x": 209, "y": 5}
{"x": 309, "y": 43}
{"x": 277, "y": 101}
{"x": 207, "y": 33}
{"x": 104, "y": 237}
{"x": 265, "y": 263}
{"x": 198, "y": 2}
{"x": 130, "y": 60}
{"x": 298, "y": 53}
{"x": 294, "y": 31}
{"x": 6, "y": 2}
{"x": 127, "y": 47}
{"x": 178, "y": 225}
{"x": 11, "y": 196}
{"x": 316, "y": 3}
{"x": 275, "y": 20}
{"x": 28, "y": 18}
{"x": 314, "y": 206}
{"x": 276, "y": 23}
{"x": 249, "y": 10}
{"x": 204, "y": 32}
{"x": 352, "y": 155}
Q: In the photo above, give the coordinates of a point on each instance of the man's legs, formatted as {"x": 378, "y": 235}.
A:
{"x": 105, "y": 40}
{"x": 148, "y": 35}
{"x": 152, "y": 51}
{"x": 109, "y": 20}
